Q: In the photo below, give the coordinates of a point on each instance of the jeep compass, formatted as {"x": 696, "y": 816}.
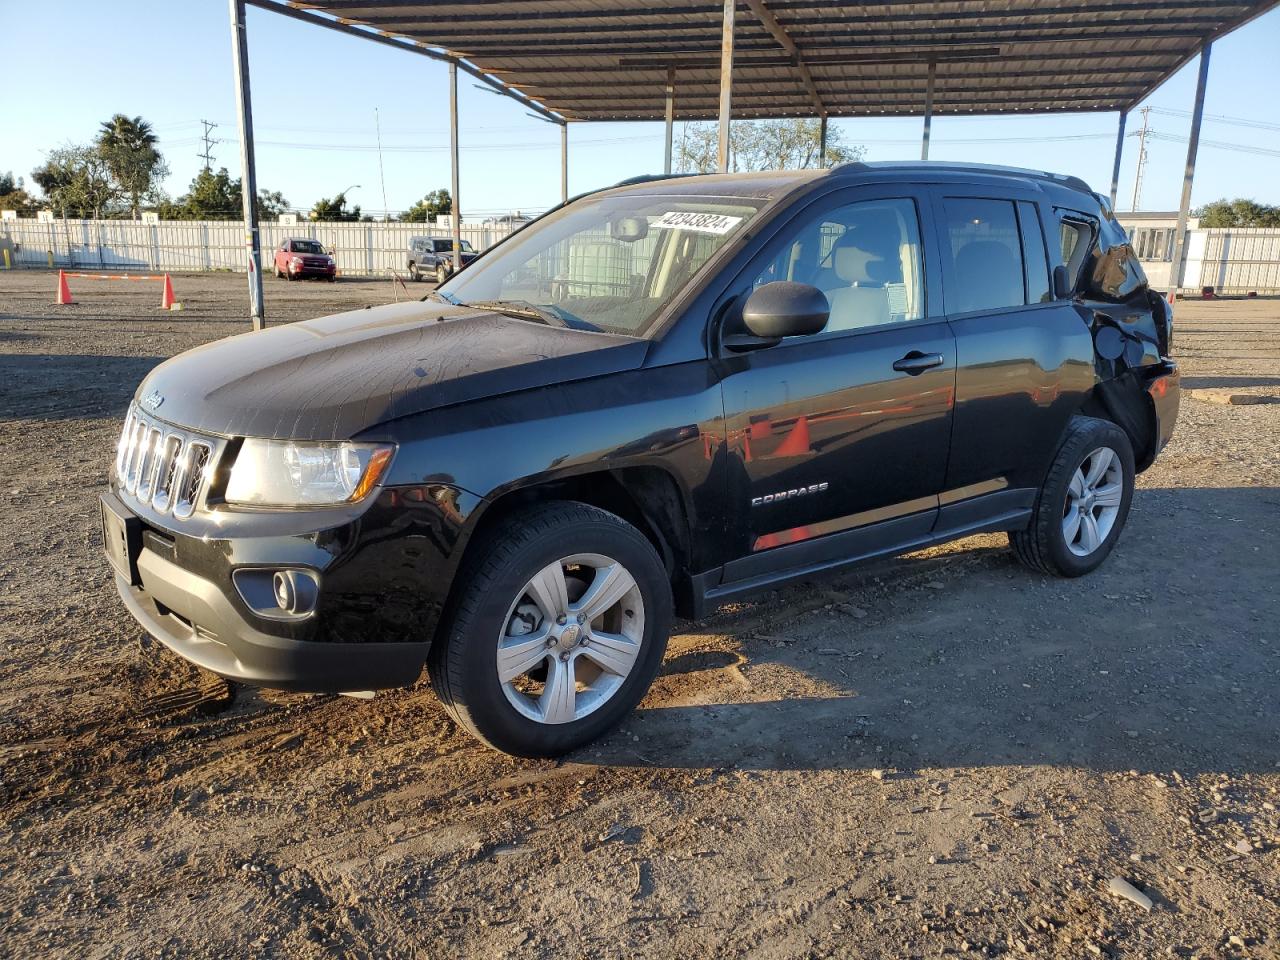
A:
{"x": 658, "y": 397}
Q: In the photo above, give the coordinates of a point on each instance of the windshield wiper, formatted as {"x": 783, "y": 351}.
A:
{"x": 523, "y": 309}
{"x": 442, "y": 297}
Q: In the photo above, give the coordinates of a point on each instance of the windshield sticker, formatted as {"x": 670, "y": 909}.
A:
{"x": 716, "y": 223}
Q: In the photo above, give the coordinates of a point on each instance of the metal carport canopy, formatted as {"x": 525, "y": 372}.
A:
{"x": 609, "y": 59}
{"x": 581, "y": 60}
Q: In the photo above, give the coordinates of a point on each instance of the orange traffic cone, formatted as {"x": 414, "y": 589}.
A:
{"x": 797, "y": 442}
{"x": 64, "y": 291}
{"x": 166, "y": 296}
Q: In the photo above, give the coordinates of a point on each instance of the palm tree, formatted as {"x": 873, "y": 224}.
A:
{"x": 129, "y": 146}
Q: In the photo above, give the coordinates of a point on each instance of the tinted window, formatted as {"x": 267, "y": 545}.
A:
{"x": 864, "y": 256}
{"x": 1034, "y": 256}
{"x": 986, "y": 255}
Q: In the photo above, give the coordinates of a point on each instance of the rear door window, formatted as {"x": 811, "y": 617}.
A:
{"x": 985, "y": 249}
{"x": 1077, "y": 238}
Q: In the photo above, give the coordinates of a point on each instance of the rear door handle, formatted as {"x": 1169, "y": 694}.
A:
{"x": 916, "y": 363}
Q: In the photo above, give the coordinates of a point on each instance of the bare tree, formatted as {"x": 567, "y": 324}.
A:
{"x": 762, "y": 145}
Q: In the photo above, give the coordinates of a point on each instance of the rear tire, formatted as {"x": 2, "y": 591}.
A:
{"x": 514, "y": 663}
{"x": 414, "y": 274}
{"x": 1083, "y": 504}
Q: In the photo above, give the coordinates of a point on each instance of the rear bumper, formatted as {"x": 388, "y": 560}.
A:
{"x": 192, "y": 617}
{"x": 1164, "y": 389}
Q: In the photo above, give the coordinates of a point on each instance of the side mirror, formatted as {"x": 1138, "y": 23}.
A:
{"x": 786, "y": 309}
{"x": 1061, "y": 283}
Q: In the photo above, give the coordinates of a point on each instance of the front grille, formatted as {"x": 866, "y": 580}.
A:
{"x": 162, "y": 465}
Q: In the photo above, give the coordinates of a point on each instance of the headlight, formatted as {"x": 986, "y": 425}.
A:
{"x": 282, "y": 473}
{"x": 296, "y": 261}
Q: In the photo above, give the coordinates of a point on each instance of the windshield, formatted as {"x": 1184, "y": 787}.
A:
{"x": 607, "y": 264}
{"x": 307, "y": 246}
{"x": 446, "y": 246}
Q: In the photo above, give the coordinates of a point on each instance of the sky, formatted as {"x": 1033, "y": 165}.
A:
{"x": 315, "y": 93}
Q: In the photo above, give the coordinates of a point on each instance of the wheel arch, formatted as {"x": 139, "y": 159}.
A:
{"x": 645, "y": 496}
{"x": 1124, "y": 401}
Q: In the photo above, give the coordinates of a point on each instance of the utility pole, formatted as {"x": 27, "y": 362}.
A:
{"x": 208, "y": 145}
{"x": 1142, "y": 159}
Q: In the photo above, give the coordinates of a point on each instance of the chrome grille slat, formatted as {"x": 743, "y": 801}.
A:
{"x": 165, "y": 467}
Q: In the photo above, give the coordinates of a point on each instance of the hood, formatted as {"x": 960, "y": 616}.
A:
{"x": 331, "y": 378}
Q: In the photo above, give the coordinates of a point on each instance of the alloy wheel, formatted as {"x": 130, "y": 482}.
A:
{"x": 1093, "y": 502}
{"x": 570, "y": 638}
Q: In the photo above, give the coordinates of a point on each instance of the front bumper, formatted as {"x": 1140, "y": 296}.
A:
{"x": 384, "y": 573}
{"x": 193, "y": 618}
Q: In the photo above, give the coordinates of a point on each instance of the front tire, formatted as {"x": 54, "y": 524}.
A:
{"x": 1083, "y": 504}
{"x": 441, "y": 274}
{"x": 414, "y": 274}
{"x": 557, "y": 630}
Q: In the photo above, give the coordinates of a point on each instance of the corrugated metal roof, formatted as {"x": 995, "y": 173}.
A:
{"x": 608, "y": 59}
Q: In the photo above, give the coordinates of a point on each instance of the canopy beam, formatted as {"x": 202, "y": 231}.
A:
{"x": 779, "y": 33}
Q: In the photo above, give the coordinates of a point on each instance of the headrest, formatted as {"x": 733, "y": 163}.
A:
{"x": 851, "y": 264}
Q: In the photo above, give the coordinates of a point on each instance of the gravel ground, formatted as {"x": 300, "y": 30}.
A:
{"x": 942, "y": 754}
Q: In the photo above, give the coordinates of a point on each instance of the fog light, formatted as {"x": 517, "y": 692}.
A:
{"x": 287, "y": 594}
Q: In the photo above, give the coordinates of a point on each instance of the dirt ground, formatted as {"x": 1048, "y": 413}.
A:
{"x": 943, "y": 754}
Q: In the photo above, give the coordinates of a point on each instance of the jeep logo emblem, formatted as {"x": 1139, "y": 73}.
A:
{"x": 153, "y": 400}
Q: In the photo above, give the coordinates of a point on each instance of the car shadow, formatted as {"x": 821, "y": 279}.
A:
{"x": 1163, "y": 659}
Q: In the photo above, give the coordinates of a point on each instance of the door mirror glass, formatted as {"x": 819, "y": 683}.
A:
{"x": 786, "y": 309}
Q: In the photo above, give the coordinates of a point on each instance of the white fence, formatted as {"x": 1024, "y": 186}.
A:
{"x": 1234, "y": 260}
{"x": 362, "y": 249}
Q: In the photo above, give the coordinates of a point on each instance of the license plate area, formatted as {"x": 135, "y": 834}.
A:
{"x": 121, "y": 538}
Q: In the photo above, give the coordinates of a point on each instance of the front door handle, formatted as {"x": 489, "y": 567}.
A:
{"x": 916, "y": 363}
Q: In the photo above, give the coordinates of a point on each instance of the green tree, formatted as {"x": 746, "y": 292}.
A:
{"x": 77, "y": 181}
{"x": 335, "y": 209}
{"x": 1238, "y": 213}
{"x": 14, "y": 197}
{"x": 792, "y": 144}
{"x": 129, "y": 147}
{"x": 216, "y": 196}
{"x": 429, "y": 207}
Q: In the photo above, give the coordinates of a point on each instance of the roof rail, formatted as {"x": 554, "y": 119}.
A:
{"x": 859, "y": 166}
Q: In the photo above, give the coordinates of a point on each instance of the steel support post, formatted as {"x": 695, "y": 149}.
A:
{"x": 670, "y": 118}
{"x": 248, "y": 171}
{"x": 1115, "y": 167}
{"x": 453, "y": 162}
{"x": 726, "y": 83}
{"x": 1193, "y": 145}
{"x": 564, "y": 162}
{"x": 928, "y": 111}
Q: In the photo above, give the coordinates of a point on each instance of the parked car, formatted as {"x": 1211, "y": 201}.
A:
{"x": 298, "y": 257}
{"x": 658, "y": 398}
{"x": 433, "y": 257}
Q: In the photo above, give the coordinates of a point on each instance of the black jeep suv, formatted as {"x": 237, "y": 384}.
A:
{"x": 657, "y": 397}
